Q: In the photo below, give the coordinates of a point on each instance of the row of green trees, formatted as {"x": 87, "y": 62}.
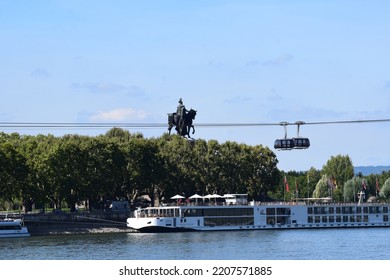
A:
{"x": 45, "y": 170}
{"x": 338, "y": 181}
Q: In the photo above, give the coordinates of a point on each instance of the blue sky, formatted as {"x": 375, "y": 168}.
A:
{"x": 233, "y": 61}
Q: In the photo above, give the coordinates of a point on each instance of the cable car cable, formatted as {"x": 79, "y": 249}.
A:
{"x": 163, "y": 125}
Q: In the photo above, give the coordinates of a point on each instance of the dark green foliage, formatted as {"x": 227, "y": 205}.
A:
{"x": 65, "y": 171}
{"x": 56, "y": 172}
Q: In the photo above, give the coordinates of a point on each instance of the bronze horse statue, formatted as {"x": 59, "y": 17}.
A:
{"x": 186, "y": 124}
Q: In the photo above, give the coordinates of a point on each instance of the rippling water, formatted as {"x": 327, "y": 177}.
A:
{"x": 315, "y": 244}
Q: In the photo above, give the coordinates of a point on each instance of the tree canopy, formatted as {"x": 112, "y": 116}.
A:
{"x": 47, "y": 171}
{"x": 57, "y": 171}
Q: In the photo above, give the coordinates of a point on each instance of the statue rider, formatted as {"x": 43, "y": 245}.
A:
{"x": 181, "y": 111}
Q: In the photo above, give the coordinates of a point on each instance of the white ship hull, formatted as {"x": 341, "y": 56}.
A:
{"x": 259, "y": 217}
{"x": 10, "y": 228}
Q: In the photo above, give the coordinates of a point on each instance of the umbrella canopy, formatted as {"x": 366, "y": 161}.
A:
{"x": 195, "y": 196}
{"x": 178, "y": 196}
{"x": 213, "y": 196}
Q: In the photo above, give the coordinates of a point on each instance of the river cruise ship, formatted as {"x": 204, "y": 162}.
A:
{"x": 236, "y": 214}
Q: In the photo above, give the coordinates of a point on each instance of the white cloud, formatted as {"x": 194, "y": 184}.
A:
{"x": 120, "y": 114}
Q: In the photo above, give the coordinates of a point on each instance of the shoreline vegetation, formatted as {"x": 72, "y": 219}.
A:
{"x": 87, "y": 175}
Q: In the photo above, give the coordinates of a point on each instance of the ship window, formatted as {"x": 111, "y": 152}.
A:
{"x": 385, "y": 218}
{"x": 324, "y": 219}
{"x": 319, "y": 210}
{"x": 10, "y": 227}
{"x": 365, "y": 209}
{"x": 310, "y": 210}
{"x": 331, "y": 210}
{"x": 371, "y": 210}
{"x": 192, "y": 212}
{"x": 358, "y": 210}
{"x": 270, "y": 221}
{"x": 283, "y": 211}
{"x": 270, "y": 211}
{"x": 331, "y": 219}
{"x": 226, "y": 212}
{"x": 338, "y": 210}
{"x": 317, "y": 219}
{"x": 281, "y": 220}
{"x": 365, "y": 218}
{"x": 345, "y": 219}
{"x": 385, "y": 209}
{"x": 352, "y": 219}
{"x": 358, "y": 218}
{"x": 338, "y": 219}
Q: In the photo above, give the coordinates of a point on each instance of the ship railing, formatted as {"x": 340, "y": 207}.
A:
{"x": 147, "y": 215}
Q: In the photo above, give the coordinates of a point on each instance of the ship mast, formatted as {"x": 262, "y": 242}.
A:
{"x": 361, "y": 195}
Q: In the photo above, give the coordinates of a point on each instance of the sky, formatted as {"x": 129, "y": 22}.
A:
{"x": 265, "y": 61}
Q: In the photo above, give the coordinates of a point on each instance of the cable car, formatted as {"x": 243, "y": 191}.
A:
{"x": 301, "y": 143}
{"x": 292, "y": 143}
{"x": 284, "y": 144}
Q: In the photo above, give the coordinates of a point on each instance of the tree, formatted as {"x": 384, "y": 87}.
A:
{"x": 351, "y": 188}
{"x": 121, "y": 134}
{"x": 339, "y": 169}
{"x": 180, "y": 165}
{"x": 13, "y": 172}
{"x": 35, "y": 149}
{"x": 312, "y": 177}
{"x": 105, "y": 170}
{"x": 145, "y": 168}
{"x": 385, "y": 190}
{"x": 261, "y": 171}
{"x": 322, "y": 188}
{"x": 67, "y": 172}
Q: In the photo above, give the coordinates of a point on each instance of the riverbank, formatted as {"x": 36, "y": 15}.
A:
{"x": 56, "y": 228}
{"x": 76, "y": 223}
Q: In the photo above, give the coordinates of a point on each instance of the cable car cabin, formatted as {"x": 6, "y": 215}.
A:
{"x": 301, "y": 143}
{"x": 284, "y": 144}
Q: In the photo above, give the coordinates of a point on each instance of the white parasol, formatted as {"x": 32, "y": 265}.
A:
{"x": 211, "y": 196}
{"x": 196, "y": 197}
{"x": 178, "y": 196}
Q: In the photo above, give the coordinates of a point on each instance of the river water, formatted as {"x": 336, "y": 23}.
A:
{"x": 312, "y": 244}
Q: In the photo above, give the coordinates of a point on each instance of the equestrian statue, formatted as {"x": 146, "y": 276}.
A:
{"x": 182, "y": 120}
